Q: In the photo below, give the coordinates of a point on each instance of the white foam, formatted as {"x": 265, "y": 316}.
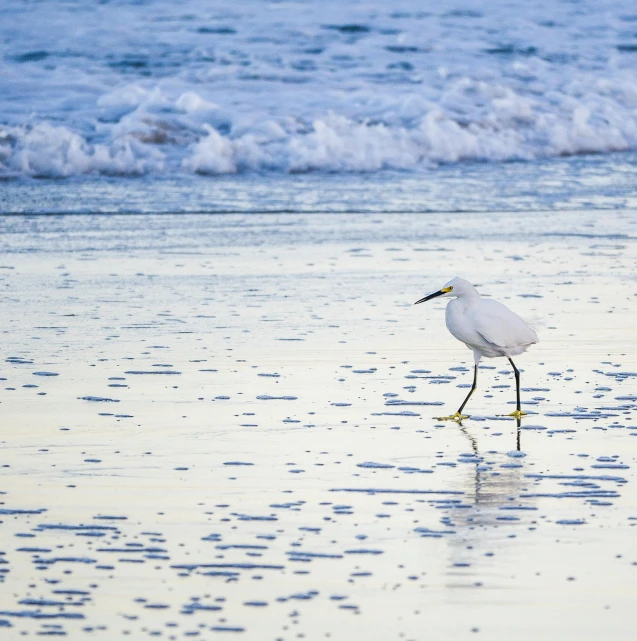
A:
{"x": 214, "y": 154}
{"x": 57, "y": 152}
{"x": 292, "y": 91}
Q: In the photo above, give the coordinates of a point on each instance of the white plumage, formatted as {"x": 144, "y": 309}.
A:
{"x": 485, "y": 326}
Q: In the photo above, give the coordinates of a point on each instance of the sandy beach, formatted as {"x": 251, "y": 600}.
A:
{"x": 225, "y": 426}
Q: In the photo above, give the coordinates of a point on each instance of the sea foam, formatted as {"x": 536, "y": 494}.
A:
{"x": 372, "y": 88}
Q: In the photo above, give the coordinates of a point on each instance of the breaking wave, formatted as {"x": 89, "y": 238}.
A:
{"x": 256, "y": 93}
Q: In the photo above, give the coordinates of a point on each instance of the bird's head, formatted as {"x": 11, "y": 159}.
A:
{"x": 454, "y": 288}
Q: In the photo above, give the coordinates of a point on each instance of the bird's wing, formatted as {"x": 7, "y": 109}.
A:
{"x": 498, "y": 325}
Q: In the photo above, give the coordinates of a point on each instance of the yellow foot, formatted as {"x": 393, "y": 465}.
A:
{"x": 457, "y": 417}
{"x": 517, "y": 414}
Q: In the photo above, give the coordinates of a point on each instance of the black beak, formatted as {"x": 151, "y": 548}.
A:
{"x": 426, "y": 298}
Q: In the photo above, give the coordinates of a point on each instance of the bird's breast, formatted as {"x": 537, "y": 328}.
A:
{"x": 458, "y": 324}
{"x": 459, "y": 317}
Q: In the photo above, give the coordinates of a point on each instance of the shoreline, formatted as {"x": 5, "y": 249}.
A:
{"x": 271, "y": 472}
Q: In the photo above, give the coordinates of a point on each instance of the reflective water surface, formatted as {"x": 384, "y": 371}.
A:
{"x": 225, "y": 426}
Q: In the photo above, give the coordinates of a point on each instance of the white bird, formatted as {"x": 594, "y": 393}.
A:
{"x": 487, "y": 327}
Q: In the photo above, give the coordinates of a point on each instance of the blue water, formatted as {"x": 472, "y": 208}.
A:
{"x": 131, "y": 88}
{"x": 405, "y": 106}
{"x": 592, "y": 182}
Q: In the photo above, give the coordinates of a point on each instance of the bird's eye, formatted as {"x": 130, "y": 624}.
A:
{"x": 450, "y": 288}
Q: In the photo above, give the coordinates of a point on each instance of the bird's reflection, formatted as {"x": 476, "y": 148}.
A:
{"x": 492, "y": 506}
{"x": 484, "y": 486}
{"x": 474, "y": 443}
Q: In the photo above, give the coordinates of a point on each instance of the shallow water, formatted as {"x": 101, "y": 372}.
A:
{"x": 226, "y": 426}
{"x": 592, "y": 182}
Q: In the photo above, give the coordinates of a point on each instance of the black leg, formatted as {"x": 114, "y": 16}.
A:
{"x": 472, "y": 390}
{"x": 517, "y": 383}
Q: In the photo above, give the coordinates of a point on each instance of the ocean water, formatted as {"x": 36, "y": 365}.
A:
{"x": 592, "y": 182}
{"x": 164, "y": 90}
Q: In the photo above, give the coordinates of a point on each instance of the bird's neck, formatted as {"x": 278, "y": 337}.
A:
{"x": 465, "y": 302}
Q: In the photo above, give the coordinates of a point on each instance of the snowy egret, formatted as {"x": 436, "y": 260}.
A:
{"x": 487, "y": 327}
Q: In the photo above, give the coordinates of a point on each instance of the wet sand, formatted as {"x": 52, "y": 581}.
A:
{"x": 225, "y": 426}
